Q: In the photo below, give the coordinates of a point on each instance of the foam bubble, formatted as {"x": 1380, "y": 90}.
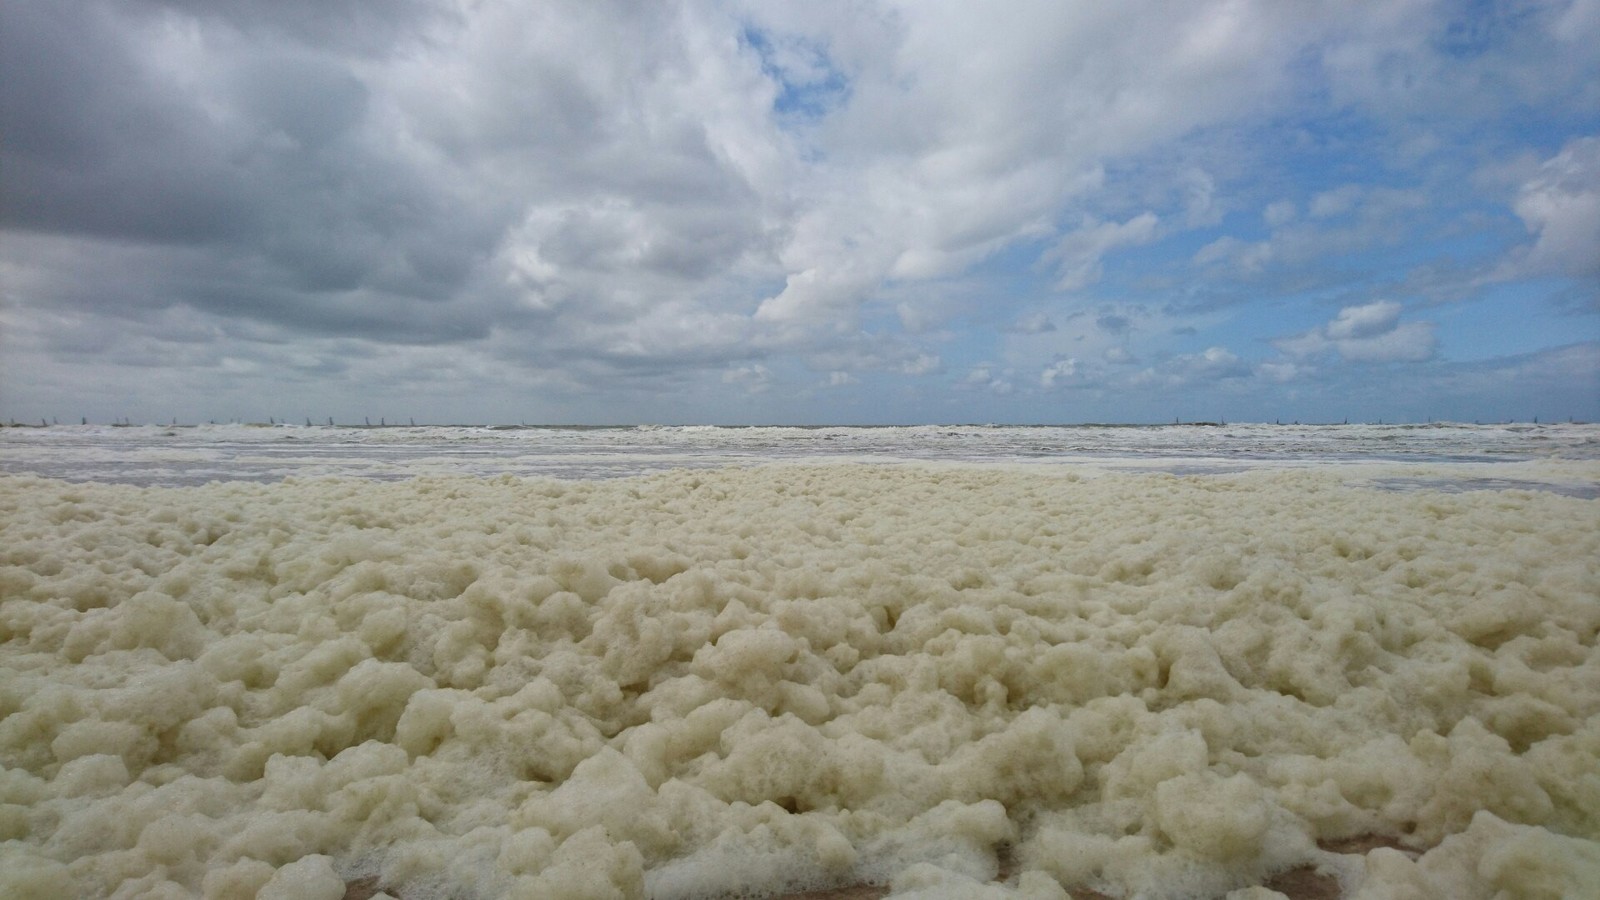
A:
{"x": 740, "y": 682}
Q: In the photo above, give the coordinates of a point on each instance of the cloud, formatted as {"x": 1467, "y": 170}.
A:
{"x": 1211, "y": 369}
{"x": 1410, "y": 342}
{"x": 1247, "y": 257}
{"x": 867, "y": 352}
{"x": 1032, "y": 323}
{"x": 1457, "y": 70}
{"x": 1561, "y": 207}
{"x": 469, "y": 186}
{"x": 506, "y": 158}
{"x": 1200, "y": 199}
{"x": 1214, "y": 364}
{"x": 1360, "y": 322}
{"x": 1341, "y": 223}
{"x": 634, "y": 200}
{"x": 922, "y": 307}
{"x": 1554, "y": 383}
{"x": 1077, "y": 255}
{"x": 986, "y": 378}
{"x": 1370, "y": 333}
{"x": 753, "y": 379}
{"x": 1279, "y": 213}
{"x": 817, "y": 296}
{"x": 362, "y": 26}
{"x": 1336, "y": 202}
{"x": 1579, "y": 21}
{"x": 958, "y": 162}
{"x": 1280, "y": 371}
{"x": 1061, "y": 373}
{"x": 1111, "y": 323}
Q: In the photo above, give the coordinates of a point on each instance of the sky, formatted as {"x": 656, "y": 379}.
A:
{"x": 840, "y": 211}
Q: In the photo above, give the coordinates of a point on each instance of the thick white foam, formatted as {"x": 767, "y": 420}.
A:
{"x": 741, "y": 681}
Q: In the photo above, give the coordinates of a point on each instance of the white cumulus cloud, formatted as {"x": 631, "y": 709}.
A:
{"x": 1059, "y": 373}
{"x": 1370, "y": 332}
{"x": 1561, "y": 208}
{"x": 1357, "y": 322}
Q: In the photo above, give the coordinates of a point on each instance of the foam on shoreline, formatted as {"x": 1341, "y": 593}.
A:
{"x": 741, "y": 681}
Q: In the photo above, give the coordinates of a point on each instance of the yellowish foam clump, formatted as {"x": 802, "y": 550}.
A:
{"x": 955, "y": 682}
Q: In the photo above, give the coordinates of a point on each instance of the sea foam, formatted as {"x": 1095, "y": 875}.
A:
{"x": 742, "y": 682}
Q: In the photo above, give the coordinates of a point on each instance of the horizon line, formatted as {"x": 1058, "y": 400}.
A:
{"x": 274, "y": 422}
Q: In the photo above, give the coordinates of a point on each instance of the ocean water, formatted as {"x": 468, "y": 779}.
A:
{"x": 674, "y": 663}
{"x": 169, "y": 456}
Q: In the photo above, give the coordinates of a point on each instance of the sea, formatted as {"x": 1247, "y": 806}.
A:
{"x": 1477, "y": 456}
